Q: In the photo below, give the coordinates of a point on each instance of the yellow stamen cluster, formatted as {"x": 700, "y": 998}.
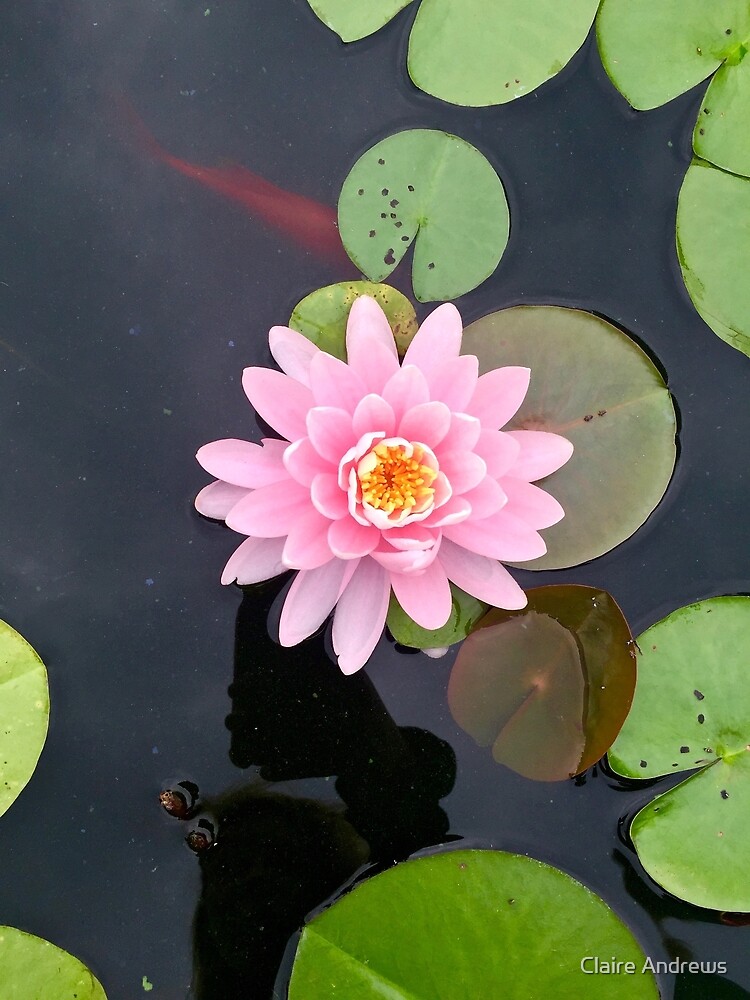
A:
{"x": 391, "y": 480}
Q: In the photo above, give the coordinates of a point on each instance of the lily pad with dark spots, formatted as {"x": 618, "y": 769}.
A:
{"x": 321, "y": 316}
{"x": 595, "y": 386}
{"x": 436, "y": 192}
{"x": 465, "y": 925}
{"x": 691, "y": 713}
{"x": 549, "y": 687}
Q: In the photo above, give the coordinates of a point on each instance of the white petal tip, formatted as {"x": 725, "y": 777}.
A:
{"x": 436, "y": 652}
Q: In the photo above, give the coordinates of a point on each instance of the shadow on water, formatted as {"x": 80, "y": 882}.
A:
{"x": 277, "y": 856}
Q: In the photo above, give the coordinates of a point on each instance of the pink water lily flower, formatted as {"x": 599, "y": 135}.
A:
{"x": 387, "y": 476}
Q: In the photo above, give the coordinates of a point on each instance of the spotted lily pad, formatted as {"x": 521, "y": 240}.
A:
{"x": 24, "y": 713}
{"x": 476, "y": 53}
{"x": 465, "y": 614}
{"x": 713, "y": 246}
{"x": 34, "y": 969}
{"x": 321, "y": 316}
{"x": 548, "y": 688}
{"x": 722, "y": 132}
{"x": 691, "y": 712}
{"x": 435, "y": 191}
{"x": 592, "y": 384}
{"x": 462, "y": 925}
{"x": 355, "y": 19}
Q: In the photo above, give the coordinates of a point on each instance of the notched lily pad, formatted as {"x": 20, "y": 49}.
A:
{"x": 31, "y": 967}
{"x": 691, "y": 712}
{"x": 24, "y": 713}
{"x": 321, "y": 316}
{"x": 548, "y": 688}
{"x": 592, "y": 384}
{"x": 432, "y": 190}
{"x": 465, "y": 614}
{"x": 462, "y": 925}
{"x": 654, "y": 50}
{"x": 354, "y": 19}
{"x": 713, "y": 246}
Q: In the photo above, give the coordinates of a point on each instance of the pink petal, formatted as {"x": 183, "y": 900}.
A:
{"x": 426, "y": 598}
{"x": 438, "y": 339}
{"x": 217, "y": 499}
{"x": 484, "y": 578}
{"x": 303, "y": 462}
{"x": 367, "y": 321}
{"x": 292, "y": 352}
{"x": 411, "y": 561}
{"x": 378, "y": 368}
{"x": 486, "y": 499}
{"x": 532, "y": 504}
{"x": 360, "y": 615}
{"x": 270, "y": 511}
{"x": 243, "y": 463}
{"x": 499, "y": 450}
{"x": 456, "y": 509}
{"x": 428, "y": 423}
{"x": 462, "y": 435}
{"x": 334, "y": 383}
{"x": 464, "y": 470}
{"x": 327, "y": 496}
{"x": 373, "y": 414}
{"x": 498, "y": 395}
{"x": 255, "y": 560}
{"x": 454, "y": 381}
{"x": 541, "y": 454}
{"x": 310, "y": 600}
{"x": 330, "y": 432}
{"x": 413, "y": 536}
{"x": 307, "y": 545}
{"x": 279, "y": 400}
{"x": 501, "y": 536}
{"x": 350, "y": 540}
{"x": 407, "y": 388}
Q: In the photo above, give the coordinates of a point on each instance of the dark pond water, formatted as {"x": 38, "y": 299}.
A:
{"x": 130, "y": 300}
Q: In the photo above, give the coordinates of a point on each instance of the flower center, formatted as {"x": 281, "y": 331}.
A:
{"x": 394, "y": 478}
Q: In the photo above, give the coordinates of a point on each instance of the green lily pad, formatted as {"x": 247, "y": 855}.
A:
{"x": 713, "y": 246}
{"x": 34, "y": 969}
{"x": 548, "y": 688}
{"x": 592, "y": 384}
{"x": 321, "y": 316}
{"x": 722, "y": 134}
{"x": 654, "y": 50}
{"x": 355, "y": 19}
{"x": 691, "y": 710}
{"x": 466, "y": 612}
{"x": 475, "y": 53}
{"x": 24, "y": 713}
{"x": 436, "y": 191}
{"x": 462, "y": 925}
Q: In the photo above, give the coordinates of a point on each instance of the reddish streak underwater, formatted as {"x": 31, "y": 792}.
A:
{"x": 311, "y": 225}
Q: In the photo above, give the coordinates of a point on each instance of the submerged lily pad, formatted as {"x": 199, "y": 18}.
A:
{"x": 547, "y": 687}
{"x": 24, "y": 713}
{"x": 354, "y": 19}
{"x": 34, "y": 969}
{"x": 654, "y": 50}
{"x": 321, "y": 316}
{"x": 436, "y": 191}
{"x": 592, "y": 384}
{"x": 691, "y": 711}
{"x": 462, "y": 925}
{"x": 465, "y": 614}
{"x": 713, "y": 245}
{"x": 476, "y": 53}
